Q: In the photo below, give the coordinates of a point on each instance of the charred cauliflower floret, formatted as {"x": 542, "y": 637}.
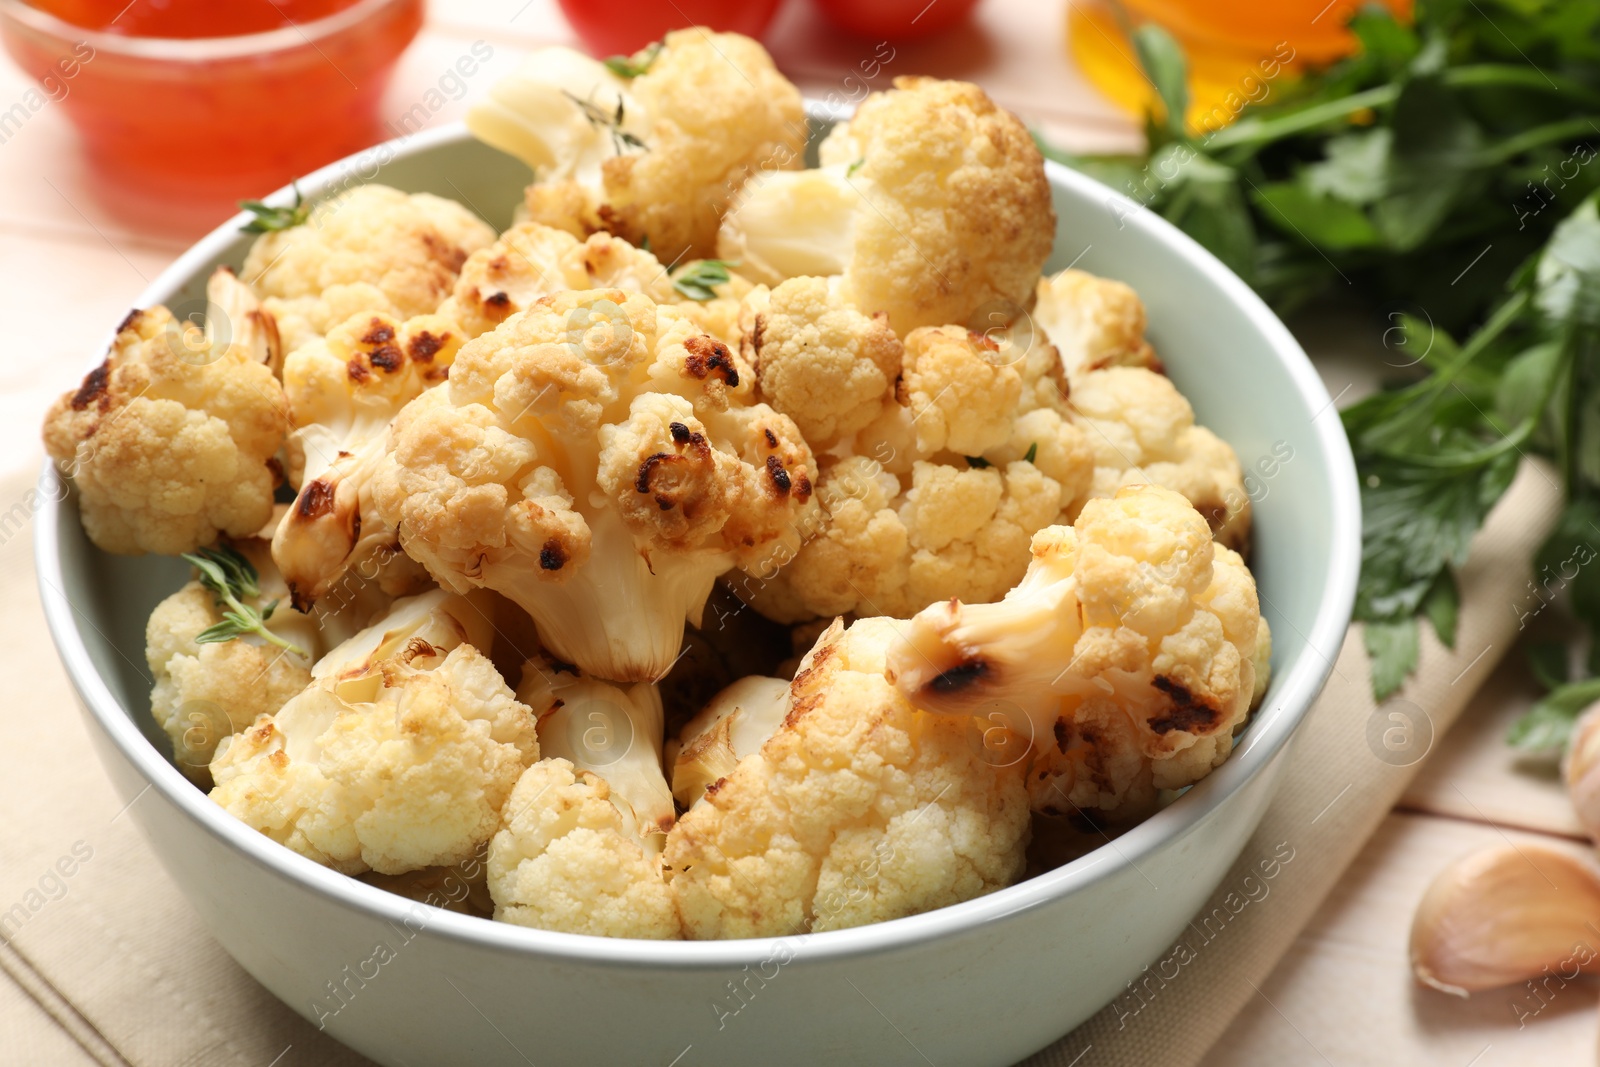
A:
{"x": 938, "y": 495}
{"x": 1129, "y": 654}
{"x": 654, "y": 155}
{"x": 171, "y": 440}
{"x": 818, "y": 360}
{"x": 860, "y": 808}
{"x": 532, "y": 260}
{"x": 369, "y": 249}
{"x": 211, "y": 681}
{"x": 566, "y": 860}
{"x": 343, "y": 391}
{"x": 387, "y": 764}
{"x": 596, "y": 460}
{"x": 931, "y": 202}
{"x": 1142, "y": 430}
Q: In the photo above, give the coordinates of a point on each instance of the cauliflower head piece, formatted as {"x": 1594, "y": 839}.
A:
{"x": 858, "y": 809}
{"x": 931, "y": 202}
{"x": 1140, "y": 427}
{"x": 171, "y": 441}
{"x": 656, "y": 155}
{"x": 735, "y": 723}
{"x": 1142, "y": 430}
{"x": 368, "y": 249}
{"x": 209, "y": 689}
{"x": 343, "y": 392}
{"x": 399, "y": 756}
{"x": 613, "y": 732}
{"x": 596, "y": 459}
{"x": 1127, "y": 656}
{"x": 1093, "y": 322}
{"x": 817, "y": 359}
{"x": 565, "y": 860}
{"x": 972, "y": 451}
{"x": 532, "y": 260}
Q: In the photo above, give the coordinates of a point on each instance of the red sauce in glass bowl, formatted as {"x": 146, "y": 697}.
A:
{"x": 189, "y": 18}
{"x": 213, "y": 99}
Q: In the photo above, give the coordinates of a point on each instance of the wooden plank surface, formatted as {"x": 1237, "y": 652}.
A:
{"x": 70, "y": 265}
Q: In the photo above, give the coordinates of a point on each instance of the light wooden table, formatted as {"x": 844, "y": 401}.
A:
{"x": 70, "y": 267}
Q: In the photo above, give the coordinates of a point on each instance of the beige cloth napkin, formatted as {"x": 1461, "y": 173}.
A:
{"x": 113, "y": 966}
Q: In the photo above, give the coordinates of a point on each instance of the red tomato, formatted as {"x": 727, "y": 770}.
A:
{"x": 895, "y": 20}
{"x": 622, "y": 27}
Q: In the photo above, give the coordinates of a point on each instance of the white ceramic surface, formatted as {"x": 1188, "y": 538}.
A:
{"x": 985, "y": 982}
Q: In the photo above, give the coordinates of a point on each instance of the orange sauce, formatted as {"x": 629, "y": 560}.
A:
{"x": 189, "y": 18}
{"x": 190, "y": 122}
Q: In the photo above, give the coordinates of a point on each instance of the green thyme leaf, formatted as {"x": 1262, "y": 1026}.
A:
{"x": 272, "y": 219}
{"x": 698, "y": 281}
{"x": 1032, "y": 453}
{"x": 978, "y": 463}
{"x": 232, "y": 579}
{"x": 610, "y": 121}
{"x": 849, "y": 172}
{"x": 628, "y": 67}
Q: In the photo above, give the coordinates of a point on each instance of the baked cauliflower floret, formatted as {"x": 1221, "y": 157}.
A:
{"x": 369, "y": 249}
{"x": 565, "y": 860}
{"x": 532, "y": 260}
{"x": 1142, "y": 430}
{"x": 942, "y": 492}
{"x": 734, "y": 724}
{"x": 596, "y": 460}
{"x": 1093, "y": 322}
{"x": 402, "y": 765}
{"x": 1129, "y": 653}
{"x": 859, "y": 809}
{"x": 343, "y": 392}
{"x": 209, "y": 689}
{"x": 931, "y": 202}
{"x": 171, "y": 440}
{"x": 612, "y": 731}
{"x": 818, "y": 360}
{"x": 656, "y": 157}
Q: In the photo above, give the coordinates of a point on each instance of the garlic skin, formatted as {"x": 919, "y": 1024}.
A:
{"x": 1581, "y": 769}
{"x": 1504, "y": 915}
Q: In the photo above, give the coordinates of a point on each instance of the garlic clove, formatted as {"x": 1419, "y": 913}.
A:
{"x": 1581, "y": 768}
{"x": 1504, "y": 915}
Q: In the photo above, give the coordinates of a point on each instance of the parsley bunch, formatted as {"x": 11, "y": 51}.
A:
{"x": 1446, "y": 172}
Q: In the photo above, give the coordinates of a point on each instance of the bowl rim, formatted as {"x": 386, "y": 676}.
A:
{"x": 1271, "y": 730}
{"x": 296, "y": 35}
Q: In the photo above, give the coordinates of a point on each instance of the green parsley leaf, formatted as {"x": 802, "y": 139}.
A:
{"x": 698, "y": 281}
{"x": 1392, "y": 647}
{"x": 849, "y": 172}
{"x": 1165, "y": 66}
{"x": 232, "y": 580}
{"x": 1548, "y": 724}
{"x": 627, "y": 67}
{"x": 270, "y": 219}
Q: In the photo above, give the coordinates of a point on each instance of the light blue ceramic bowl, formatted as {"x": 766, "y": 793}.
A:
{"x": 985, "y": 982}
